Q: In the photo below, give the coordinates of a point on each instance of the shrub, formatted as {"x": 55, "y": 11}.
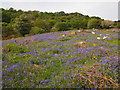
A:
{"x": 54, "y": 29}
{"x": 7, "y": 30}
{"x": 42, "y": 23}
{"x": 22, "y": 24}
{"x": 94, "y": 23}
{"x": 61, "y": 26}
{"x": 36, "y": 30}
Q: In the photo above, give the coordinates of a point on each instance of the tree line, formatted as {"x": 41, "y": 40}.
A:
{"x": 19, "y": 23}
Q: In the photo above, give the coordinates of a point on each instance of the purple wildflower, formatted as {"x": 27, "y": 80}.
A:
{"x": 12, "y": 67}
{"x": 43, "y": 81}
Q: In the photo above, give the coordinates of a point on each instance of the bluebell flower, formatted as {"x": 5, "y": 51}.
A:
{"x": 43, "y": 81}
{"x": 12, "y": 67}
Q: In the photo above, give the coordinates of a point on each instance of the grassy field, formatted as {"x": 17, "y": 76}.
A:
{"x": 70, "y": 59}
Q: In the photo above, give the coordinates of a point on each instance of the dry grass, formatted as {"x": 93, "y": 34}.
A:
{"x": 94, "y": 79}
{"x": 81, "y": 44}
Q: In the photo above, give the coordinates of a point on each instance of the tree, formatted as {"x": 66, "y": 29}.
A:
{"x": 7, "y": 30}
{"x": 94, "y": 17}
{"x": 22, "y": 25}
{"x": 78, "y": 22}
{"x": 61, "y": 26}
{"x": 94, "y": 23}
{"x": 76, "y": 14}
{"x": 36, "y": 30}
{"x": 61, "y": 13}
{"x": 43, "y": 23}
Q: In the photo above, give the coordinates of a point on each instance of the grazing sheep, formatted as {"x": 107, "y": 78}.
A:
{"x": 93, "y": 32}
{"x": 105, "y": 37}
{"x": 98, "y": 38}
{"x": 79, "y": 30}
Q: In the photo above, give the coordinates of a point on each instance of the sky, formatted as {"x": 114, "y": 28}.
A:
{"x": 106, "y": 9}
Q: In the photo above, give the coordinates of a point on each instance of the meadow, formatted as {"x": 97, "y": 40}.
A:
{"x": 65, "y": 59}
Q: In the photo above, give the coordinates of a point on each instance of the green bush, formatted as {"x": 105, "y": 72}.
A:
{"x": 76, "y": 23}
{"x": 94, "y": 23}
{"x": 54, "y": 29}
{"x": 42, "y": 23}
{"x": 61, "y": 26}
{"x": 36, "y": 30}
{"x": 22, "y": 24}
{"x": 7, "y": 30}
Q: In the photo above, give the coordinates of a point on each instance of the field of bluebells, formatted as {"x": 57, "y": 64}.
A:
{"x": 69, "y": 59}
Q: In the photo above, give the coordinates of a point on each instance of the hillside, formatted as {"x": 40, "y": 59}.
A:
{"x": 66, "y": 59}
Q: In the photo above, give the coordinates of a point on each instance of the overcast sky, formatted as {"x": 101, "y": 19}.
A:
{"x": 106, "y": 9}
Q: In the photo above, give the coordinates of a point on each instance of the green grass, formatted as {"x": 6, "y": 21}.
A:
{"x": 59, "y": 61}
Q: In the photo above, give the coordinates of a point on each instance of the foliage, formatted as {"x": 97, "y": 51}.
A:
{"x": 76, "y": 23}
{"x": 61, "y": 13}
{"x": 79, "y": 22}
{"x": 61, "y": 26}
{"x": 10, "y": 14}
{"x": 7, "y": 30}
{"x": 94, "y": 23}
{"x": 36, "y": 30}
{"x": 42, "y": 23}
{"x": 19, "y": 23}
{"x": 22, "y": 25}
